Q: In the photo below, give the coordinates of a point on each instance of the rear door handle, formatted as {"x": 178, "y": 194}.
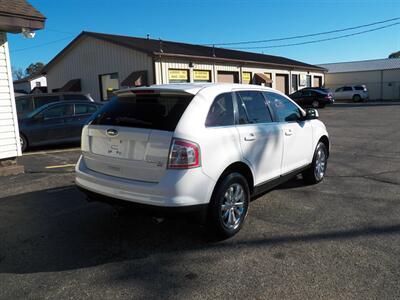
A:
{"x": 250, "y": 137}
{"x": 288, "y": 132}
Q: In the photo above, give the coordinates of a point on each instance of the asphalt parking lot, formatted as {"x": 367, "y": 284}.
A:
{"x": 336, "y": 240}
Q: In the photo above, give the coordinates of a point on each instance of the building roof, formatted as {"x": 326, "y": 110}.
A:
{"x": 19, "y": 8}
{"x": 18, "y": 14}
{"x": 28, "y": 78}
{"x": 175, "y": 49}
{"x": 363, "y": 65}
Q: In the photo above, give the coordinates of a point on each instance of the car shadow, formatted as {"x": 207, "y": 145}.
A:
{"x": 57, "y": 230}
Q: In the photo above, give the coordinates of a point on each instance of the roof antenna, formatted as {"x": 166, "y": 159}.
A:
{"x": 214, "y": 50}
{"x": 161, "y": 50}
{"x": 148, "y": 36}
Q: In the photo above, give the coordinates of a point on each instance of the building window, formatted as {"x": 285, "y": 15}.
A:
{"x": 201, "y": 76}
{"x": 246, "y": 77}
{"x": 108, "y": 84}
{"x": 38, "y": 84}
{"x": 178, "y": 75}
{"x": 295, "y": 82}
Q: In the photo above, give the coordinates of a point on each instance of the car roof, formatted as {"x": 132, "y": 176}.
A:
{"x": 194, "y": 88}
{"x": 51, "y": 94}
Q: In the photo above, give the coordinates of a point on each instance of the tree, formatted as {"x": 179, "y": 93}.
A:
{"x": 17, "y": 73}
{"x": 34, "y": 69}
{"x": 395, "y": 55}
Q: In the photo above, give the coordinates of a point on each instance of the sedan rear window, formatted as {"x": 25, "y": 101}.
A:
{"x": 150, "y": 111}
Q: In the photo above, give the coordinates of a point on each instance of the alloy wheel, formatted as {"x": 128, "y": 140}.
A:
{"x": 232, "y": 207}
{"x": 320, "y": 164}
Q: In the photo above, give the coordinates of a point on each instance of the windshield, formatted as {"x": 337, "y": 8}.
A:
{"x": 151, "y": 111}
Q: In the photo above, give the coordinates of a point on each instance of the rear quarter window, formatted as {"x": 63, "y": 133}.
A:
{"x": 221, "y": 111}
{"x": 150, "y": 111}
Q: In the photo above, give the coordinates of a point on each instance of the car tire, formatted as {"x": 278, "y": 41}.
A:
{"x": 316, "y": 172}
{"x": 356, "y": 98}
{"x": 229, "y": 206}
{"x": 315, "y": 104}
{"x": 24, "y": 142}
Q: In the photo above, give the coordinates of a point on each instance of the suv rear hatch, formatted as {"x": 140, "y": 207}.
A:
{"x": 130, "y": 137}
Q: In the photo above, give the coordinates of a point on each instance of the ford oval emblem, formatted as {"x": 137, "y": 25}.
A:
{"x": 112, "y": 132}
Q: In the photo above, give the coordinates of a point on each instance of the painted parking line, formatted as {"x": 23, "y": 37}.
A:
{"x": 61, "y": 166}
{"x": 51, "y": 151}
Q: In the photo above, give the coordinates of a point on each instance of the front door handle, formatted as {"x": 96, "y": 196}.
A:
{"x": 288, "y": 132}
{"x": 250, "y": 137}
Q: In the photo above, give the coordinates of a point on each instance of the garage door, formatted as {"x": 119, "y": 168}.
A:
{"x": 282, "y": 83}
{"x": 317, "y": 81}
{"x": 228, "y": 77}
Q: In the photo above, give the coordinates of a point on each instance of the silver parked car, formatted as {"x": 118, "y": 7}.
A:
{"x": 357, "y": 93}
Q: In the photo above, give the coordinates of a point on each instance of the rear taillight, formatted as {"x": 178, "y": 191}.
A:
{"x": 183, "y": 155}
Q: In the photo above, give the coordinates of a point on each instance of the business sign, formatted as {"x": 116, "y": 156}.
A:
{"x": 246, "y": 77}
{"x": 178, "y": 75}
{"x": 201, "y": 75}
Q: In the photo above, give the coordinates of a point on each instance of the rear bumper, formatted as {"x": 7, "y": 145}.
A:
{"x": 178, "y": 188}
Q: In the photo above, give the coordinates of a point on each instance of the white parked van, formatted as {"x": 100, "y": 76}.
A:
{"x": 199, "y": 147}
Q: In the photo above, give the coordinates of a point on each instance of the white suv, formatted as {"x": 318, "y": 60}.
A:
{"x": 207, "y": 147}
{"x": 357, "y": 93}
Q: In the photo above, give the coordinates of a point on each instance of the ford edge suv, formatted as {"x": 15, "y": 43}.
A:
{"x": 199, "y": 147}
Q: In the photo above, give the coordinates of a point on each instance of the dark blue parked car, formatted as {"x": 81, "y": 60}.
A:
{"x": 56, "y": 122}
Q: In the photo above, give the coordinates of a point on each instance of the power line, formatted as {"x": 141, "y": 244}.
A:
{"x": 303, "y": 36}
{"x": 41, "y": 45}
{"x": 321, "y": 40}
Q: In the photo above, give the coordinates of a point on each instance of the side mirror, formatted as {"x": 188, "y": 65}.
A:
{"x": 311, "y": 114}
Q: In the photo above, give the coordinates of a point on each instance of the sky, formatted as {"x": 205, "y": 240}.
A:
{"x": 218, "y": 21}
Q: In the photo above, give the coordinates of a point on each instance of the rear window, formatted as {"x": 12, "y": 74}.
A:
{"x": 359, "y": 88}
{"x": 152, "y": 111}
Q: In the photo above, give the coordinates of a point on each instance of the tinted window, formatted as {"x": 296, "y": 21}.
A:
{"x": 58, "y": 111}
{"x": 84, "y": 109}
{"x": 255, "y": 106}
{"x": 40, "y": 101}
{"x": 153, "y": 111}
{"x": 347, "y": 89}
{"x": 75, "y": 97}
{"x": 221, "y": 111}
{"x": 297, "y": 94}
{"x": 339, "y": 90}
{"x": 359, "y": 88}
{"x": 285, "y": 110}
{"x": 24, "y": 104}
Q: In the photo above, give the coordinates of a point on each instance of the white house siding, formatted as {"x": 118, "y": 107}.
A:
{"x": 161, "y": 70}
{"x": 82, "y": 61}
{"x": 9, "y": 133}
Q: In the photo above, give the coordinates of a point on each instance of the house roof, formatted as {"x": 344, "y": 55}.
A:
{"x": 175, "y": 49}
{"x": 363, "y": 65}
{"x": 18, "y": 14}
